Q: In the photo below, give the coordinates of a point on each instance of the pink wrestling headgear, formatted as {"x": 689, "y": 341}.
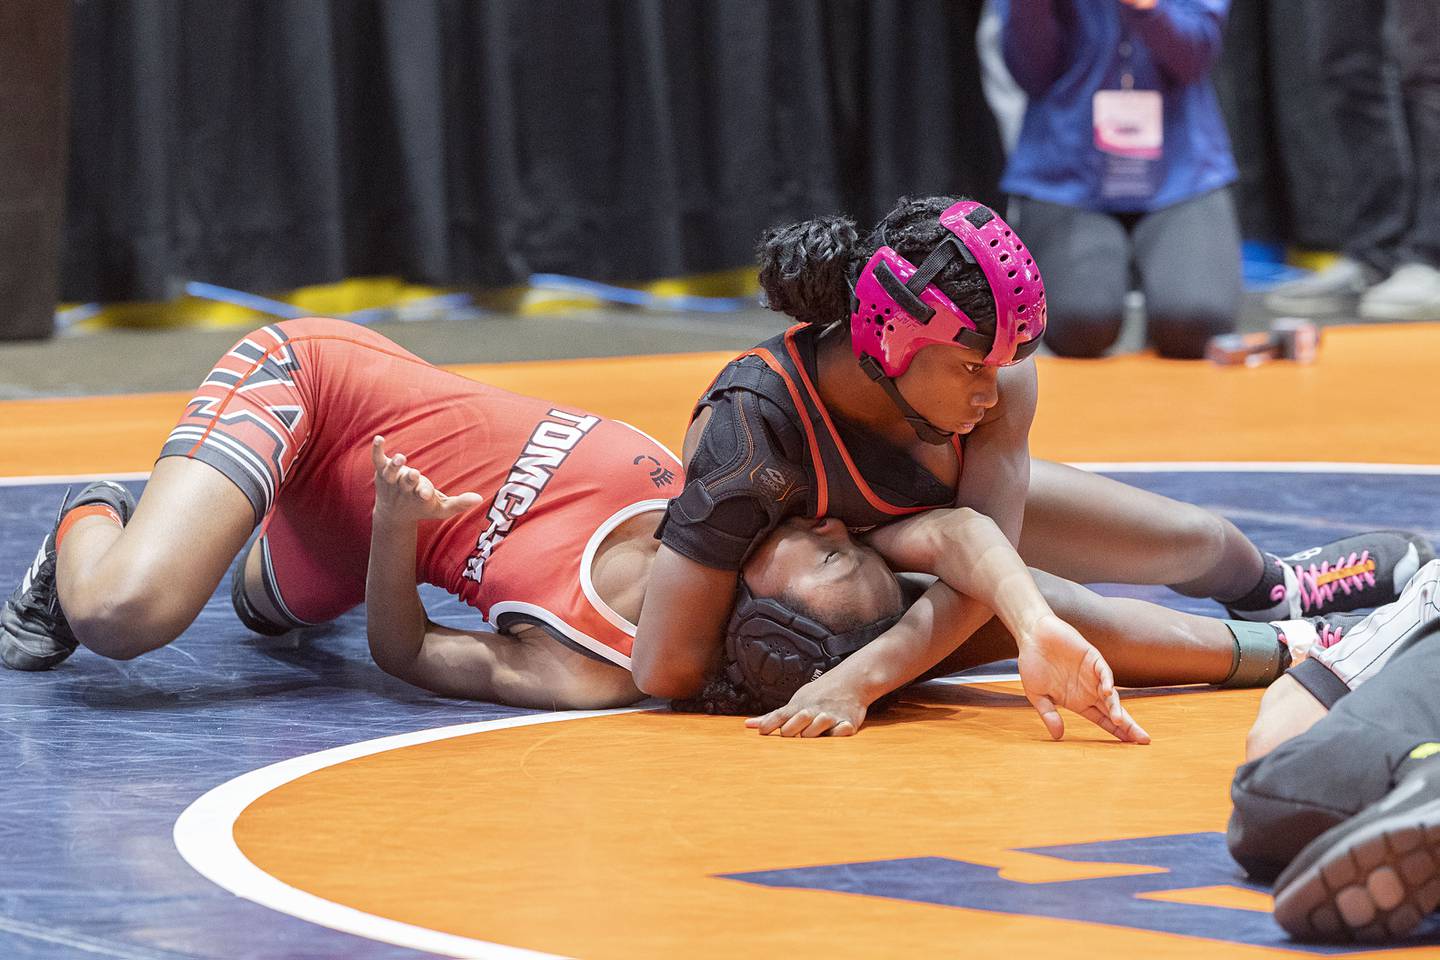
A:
{"x": 897, "y": 309}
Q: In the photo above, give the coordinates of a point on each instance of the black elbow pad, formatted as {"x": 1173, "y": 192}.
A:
{"x": 740, "y": 484}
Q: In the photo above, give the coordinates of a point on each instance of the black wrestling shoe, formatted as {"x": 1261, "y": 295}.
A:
{"x": 1330, "y": 630}
{"x": 34, "y": 634}
{"x": 1366, "y": 570}
{"x": 1374, "y": 877}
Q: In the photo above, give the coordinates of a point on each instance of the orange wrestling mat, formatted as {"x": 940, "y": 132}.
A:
{"x": 652, "y": 834}
{"x": 1372, "y": 398}
{"x": 950, "y": 826}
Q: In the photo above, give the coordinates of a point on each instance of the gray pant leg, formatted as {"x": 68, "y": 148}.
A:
{"x": 1084, "y": 258}
{"x": 1188, "y": 257}
{"x": 1338, "y": 767}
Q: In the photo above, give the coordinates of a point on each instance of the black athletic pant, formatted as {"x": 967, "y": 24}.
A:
{"x": 1344, "y": 763}
{"x": 1186, "y": 258}
{"x": 1391, "y": 189}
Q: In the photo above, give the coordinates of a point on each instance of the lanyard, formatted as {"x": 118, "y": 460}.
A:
{"x": 1127, "y": 60}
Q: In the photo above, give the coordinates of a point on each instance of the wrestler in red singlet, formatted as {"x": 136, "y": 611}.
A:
{"x": 288, "y": 415}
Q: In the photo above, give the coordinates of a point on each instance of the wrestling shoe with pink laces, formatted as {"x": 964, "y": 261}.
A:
{"x": 1366, "y": 570}
{"x": 1331, "y": 629}
{"x": 1307, "y": 635}
{"x": 1355, "y": 647}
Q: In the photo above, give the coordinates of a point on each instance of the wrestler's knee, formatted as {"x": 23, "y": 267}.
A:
{"x": 1181, "y": 332}
{"x": 1251, "y": 833}
{"x": 128, "y": 619}
{"x": 254, "y": 610}
{"x": 1084, "y": 332}
{"x": 1203, "y": 533}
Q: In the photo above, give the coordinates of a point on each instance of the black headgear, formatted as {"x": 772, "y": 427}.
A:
{"x": 774, "y": 651}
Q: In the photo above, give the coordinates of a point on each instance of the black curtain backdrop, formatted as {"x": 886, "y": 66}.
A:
{"x": 33, "y": 76}
{"x": 270, "y": 145}
{"x": 1285, "y": 143}
{"x": 267, "y": 145}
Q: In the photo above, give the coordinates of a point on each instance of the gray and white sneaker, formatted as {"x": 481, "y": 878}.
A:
{"x": 1336, "y": 289}
{"x": 34, "y": 634}
{"x": 1412, "y": 292}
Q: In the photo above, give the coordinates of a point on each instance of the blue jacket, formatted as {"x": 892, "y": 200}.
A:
{"x": 1062, "y": 51}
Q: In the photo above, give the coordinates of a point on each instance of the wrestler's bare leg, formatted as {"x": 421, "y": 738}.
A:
{"x": 128, "y": 591}
{"x": 1092, "y": 529}
{"x": 1146, "y": 645}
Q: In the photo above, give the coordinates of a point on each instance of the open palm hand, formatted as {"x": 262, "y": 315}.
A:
{"x": 1059, "y": 668}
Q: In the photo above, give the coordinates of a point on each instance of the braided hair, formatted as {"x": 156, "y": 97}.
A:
{"x": 806, "y": 268}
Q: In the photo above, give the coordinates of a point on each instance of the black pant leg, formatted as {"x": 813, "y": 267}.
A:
{"x": 1417, "y": 53}
{"x": 1084, "y": 258}
{"x": 1338, "y": 767}
{"x": 1376, "y": 193}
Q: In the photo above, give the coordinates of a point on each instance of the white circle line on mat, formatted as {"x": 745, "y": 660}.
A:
{"x": 205, "y": 836}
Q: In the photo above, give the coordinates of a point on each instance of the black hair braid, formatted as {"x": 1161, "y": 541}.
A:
{"x": 913, "y": 229}
{"x": 805, "y": 268}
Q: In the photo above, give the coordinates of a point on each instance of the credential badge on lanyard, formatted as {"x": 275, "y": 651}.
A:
{"x": 1129, "y": 133}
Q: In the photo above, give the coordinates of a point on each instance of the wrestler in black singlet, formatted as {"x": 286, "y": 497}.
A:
{"x": 772, "y": 451}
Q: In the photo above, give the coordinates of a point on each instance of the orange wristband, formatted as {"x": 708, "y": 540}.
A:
{"x": 83, "y": 512}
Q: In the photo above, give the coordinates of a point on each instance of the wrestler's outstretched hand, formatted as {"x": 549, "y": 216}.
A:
{"x": 405, "y": 494}
{"x": 822, "y": 706}
{"x": 1059, "y": 668}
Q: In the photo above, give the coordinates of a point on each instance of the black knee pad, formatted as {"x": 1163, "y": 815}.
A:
{"x": 1249, "y": 836}
{"x": 246, "y": 611}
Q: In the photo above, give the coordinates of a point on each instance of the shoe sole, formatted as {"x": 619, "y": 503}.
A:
{"x": 1375, "y": 885}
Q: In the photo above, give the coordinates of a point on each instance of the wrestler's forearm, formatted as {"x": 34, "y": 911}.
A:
{"x": 934, "y": 626}
{"x": 395, "y": 619}
{"x": 968, "y": 552}
{"x": 978, "y": 560}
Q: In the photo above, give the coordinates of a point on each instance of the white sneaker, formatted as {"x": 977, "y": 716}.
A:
{"x": 1336, "y": 289}
{"x": 1411, "y": 293}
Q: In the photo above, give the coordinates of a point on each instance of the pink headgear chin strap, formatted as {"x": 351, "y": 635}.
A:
{"x": 898, "y": 309}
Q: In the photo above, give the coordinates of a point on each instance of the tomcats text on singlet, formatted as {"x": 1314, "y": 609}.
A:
{"x": 547, "y": 448}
